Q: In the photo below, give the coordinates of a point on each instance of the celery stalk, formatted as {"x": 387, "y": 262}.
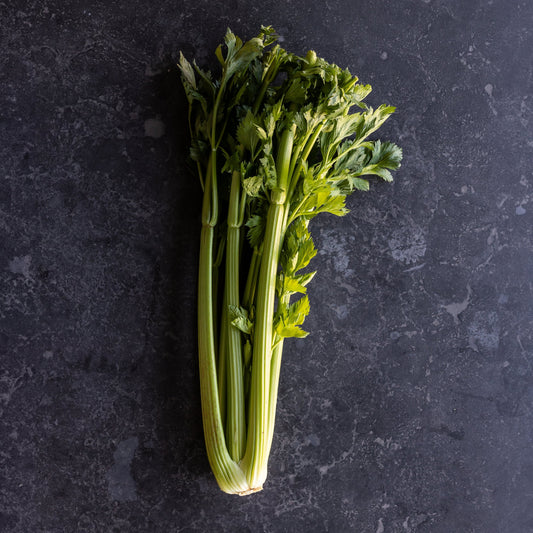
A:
{"x": 275, "y": 143}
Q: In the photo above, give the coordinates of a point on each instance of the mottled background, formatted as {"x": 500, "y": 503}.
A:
{"x": 408, "y": 409}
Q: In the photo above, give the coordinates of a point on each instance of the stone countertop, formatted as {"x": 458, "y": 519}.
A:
{"x": 408, "y": 409}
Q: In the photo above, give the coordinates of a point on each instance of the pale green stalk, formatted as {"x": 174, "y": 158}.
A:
{"x": 277, "y": 353}
{"x": 309, "y": 142}
{"x": 235, "y": 421}
{"x": 222, "y": 360}
{"x": 227, "y": 472}
{"x": 251, "y": 280}
{"x": 304, "y": 149}
{"x": 257, "y": 447}
{"x": 256, "y": 457}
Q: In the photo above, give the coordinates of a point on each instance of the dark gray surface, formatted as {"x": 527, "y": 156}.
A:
{"x": 409, "y": 409}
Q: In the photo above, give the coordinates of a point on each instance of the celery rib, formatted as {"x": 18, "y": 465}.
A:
{"x": 235, "y": 422}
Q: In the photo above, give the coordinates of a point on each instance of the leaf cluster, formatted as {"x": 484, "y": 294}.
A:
{"x": 262, "y": 92}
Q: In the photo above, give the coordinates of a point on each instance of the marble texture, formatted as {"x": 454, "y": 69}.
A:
{"x": 409, "y": 409}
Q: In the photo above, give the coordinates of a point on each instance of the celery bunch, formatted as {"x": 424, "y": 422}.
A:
{"x": 276, "y": 141}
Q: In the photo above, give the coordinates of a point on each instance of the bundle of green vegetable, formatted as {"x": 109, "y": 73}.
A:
{"x": 276, "y": 142}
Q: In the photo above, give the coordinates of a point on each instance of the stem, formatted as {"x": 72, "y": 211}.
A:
{"x": 275, "y": 368}
{"x": 216, "y": 278}
{"x": 351, "y": 148}
{"x": 235, "y": 421}
{"x": 228, "y": 474}
{"x": 262, "y": 90}
{"x": 283, "y": 164}
{"x": 294, "y": 214}
{"x": 222, "y": 361}
{"x": 296, "y": 158}
{"x": 213, "y": 159}
{"x": 251, "y": 280}
{"x": 295, "y": 174}
{"x": 257, "y": 447}
{"x": 256, "y": 456}
{"x": 199, "y": 167}
{"x": 247, "y": 373}
{"x": 206, "y": 201}
{"x": 268, "y": 78}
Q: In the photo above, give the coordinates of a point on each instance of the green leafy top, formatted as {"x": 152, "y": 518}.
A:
{"x": 264, "y": 91}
